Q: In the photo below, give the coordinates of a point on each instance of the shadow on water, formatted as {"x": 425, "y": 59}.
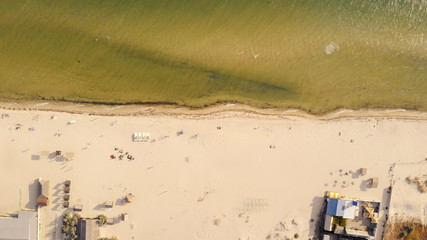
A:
{"x": 33, "y": 191}
{"x": 316, "y": 222}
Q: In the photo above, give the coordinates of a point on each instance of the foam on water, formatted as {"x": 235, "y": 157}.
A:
{"x": 116, "y": 107}
{"x": 42, "y": 104}
{"x": 343, "y": 111}
{"x": 395, "y": 110}
{"x": 331, "y": 47}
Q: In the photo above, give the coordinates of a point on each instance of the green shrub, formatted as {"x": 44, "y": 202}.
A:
{"x": 102, "y": 219}
{"x": 343, "y": 222}
{"x": 69, "y": 226}
{"x": 335, "y": 223}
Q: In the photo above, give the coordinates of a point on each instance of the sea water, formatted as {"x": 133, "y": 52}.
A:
{"x": 316, "y": 55}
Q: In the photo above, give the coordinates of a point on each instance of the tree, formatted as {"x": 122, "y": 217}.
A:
{"x": 102, "y": 219}
{"x": 65, "y": 228}
{"x": 66, "y": 219}
{"x": 69, "y": 226}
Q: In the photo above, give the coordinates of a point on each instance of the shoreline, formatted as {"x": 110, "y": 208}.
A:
{"x": 220, "y": 110}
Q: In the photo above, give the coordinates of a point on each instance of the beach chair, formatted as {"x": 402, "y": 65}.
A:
{"x": 128, "y": 198}
{"x": 109, "y": 204}
{"x": 373, "y": 182}
{"x": 78, "y": 207}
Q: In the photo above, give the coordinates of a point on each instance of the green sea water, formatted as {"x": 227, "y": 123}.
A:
{"x": 317, "y": 55}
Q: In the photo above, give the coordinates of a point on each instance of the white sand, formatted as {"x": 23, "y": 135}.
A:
{"x": 183, "y": 185}
{"x": 407, "y": 201}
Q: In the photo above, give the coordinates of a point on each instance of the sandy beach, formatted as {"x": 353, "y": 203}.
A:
{"x": 231, "y": 175}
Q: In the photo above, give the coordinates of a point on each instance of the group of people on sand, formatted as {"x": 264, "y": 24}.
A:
{"x": 121, "y": 156}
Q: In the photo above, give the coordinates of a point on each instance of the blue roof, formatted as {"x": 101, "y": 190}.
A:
{"x": 335, "y": 207}
{"x": 332, "y": 206}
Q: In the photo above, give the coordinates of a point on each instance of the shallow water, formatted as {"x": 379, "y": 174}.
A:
{"x": 315, "y": 55}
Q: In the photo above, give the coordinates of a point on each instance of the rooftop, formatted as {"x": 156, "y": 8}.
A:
{"x": 361, "y": 217}
{"x": 89, "y": 229}
{"x": 23, "y": 227}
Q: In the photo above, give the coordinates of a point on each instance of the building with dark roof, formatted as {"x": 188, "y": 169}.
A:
{"x": 88, "y": 229}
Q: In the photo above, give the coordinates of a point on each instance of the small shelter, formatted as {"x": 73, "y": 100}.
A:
{"x": 43, "y": 198}
{"x": 373, "y": 182}
{"x": 363, "y": 171}
{"x": 78, "y": 207}
{"x": 109, "y": 204}
{"x": 129, "y": 198}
